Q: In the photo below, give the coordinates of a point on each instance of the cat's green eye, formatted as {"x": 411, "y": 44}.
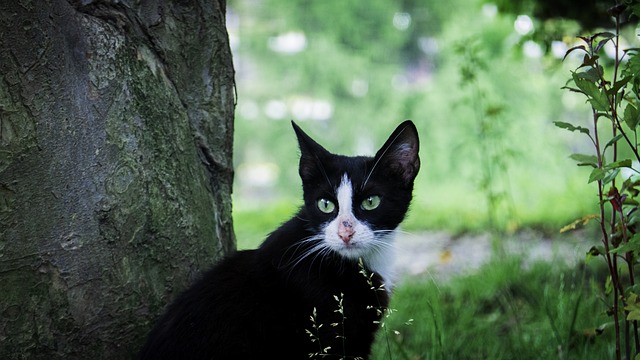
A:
{"x": 371, "y": 202}
{"x": 326, "y": 206}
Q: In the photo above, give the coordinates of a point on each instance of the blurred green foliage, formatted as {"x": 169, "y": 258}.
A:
{"x": 349, "y": 72}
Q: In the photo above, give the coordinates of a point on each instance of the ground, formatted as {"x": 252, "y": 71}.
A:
{"x": 439, "y": 255}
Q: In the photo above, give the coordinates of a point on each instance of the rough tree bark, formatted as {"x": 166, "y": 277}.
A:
{"x": 116, "y": 121}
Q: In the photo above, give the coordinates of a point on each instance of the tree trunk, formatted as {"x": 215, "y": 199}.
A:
{"x": 116, "y": 122}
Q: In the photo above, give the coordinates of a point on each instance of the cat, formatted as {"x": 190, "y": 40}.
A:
{"x": 319, "y": 284}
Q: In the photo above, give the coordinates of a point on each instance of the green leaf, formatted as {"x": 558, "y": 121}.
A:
{"x": 604, "y": 115}
{"x": 585, "y": 160}
{"x": 605, "y": 34}
{"x": 583, "y": 83}
{"x": 633, "y": 219}
{"x": 608, "y": 285}
{"x": 594, "y": 252}
{"x": 608, "y": 172}
{"x": 633, "y": 64}
{"x": 570, "y": 127}
{"x": 626, "y": 163}
{"x": 633, "y": 245}
{"x": 629, "y": 201}
{"x": 579, "y": 47}
{"x": 632, "y": 306}
{"x": 592, "y": 74}
{"x": 619, "y": 84}
{"x": 633, "y": 315}
{"x": 631, "y": 116}
{"x": 600, "y": 101}
{"x": 597, "y": 174}
{"x": 597, "y": 98}
{"x": 613, "y": 141}
{"x": 589, "y": 60}
{"x": 610, "y": 176}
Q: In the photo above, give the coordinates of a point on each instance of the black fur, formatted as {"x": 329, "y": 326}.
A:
{"x": 259, "y": 303}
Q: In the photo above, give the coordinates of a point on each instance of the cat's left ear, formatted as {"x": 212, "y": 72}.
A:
{"x": 399, "y": 154}
{"x": 311, "y": 155}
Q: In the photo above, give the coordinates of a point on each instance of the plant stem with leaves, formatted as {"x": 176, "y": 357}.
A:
{"x": 619, "y": 222}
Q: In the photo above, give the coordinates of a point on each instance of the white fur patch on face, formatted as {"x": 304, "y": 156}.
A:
{"x": 345, "y": 195}
{"x": 354, "y": 239}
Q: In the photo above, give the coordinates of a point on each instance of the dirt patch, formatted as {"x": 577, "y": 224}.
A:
{"x": 439, "y": 255}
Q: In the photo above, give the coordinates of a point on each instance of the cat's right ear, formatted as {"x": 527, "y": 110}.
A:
{"x": 312, "y": 155}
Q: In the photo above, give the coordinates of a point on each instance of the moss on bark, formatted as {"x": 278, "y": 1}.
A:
{"x": 115, "y": 168}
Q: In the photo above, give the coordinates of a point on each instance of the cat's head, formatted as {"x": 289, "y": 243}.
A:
{"x": 354, "y": 204}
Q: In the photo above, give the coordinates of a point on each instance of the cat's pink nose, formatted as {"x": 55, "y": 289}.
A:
{"x": 345, "y": 231}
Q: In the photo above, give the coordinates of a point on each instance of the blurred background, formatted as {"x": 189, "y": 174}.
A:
{"x": 481, "y": 81}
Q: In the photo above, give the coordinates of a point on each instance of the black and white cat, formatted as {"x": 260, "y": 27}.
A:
{"x": 318, "y": 284}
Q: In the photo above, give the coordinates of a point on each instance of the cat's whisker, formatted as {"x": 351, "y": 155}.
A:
{"x": 404, "y": 232}
{"x": 322, "y": 254}
{"x": 294, "y": 261}
{"x": 382, "y": 245}
{"x": 380, "y": 248}
{"x": 294, "y": 248}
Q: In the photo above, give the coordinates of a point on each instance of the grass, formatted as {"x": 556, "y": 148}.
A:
{"x": 253, "y": 224}
{"x": 501, "y": 312}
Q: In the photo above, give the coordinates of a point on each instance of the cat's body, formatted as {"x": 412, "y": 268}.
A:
{"x": 318, "y": 284}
